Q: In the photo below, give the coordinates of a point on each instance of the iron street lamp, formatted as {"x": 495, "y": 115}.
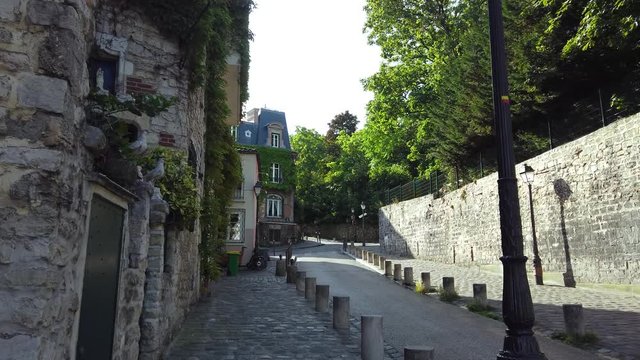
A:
{"x": 257, "y": 189}
{"x": 353, "y": 225}
{"x": 362, "y": 206}
{"x": 527, "y": 176}
{"x": 517, "y": 307}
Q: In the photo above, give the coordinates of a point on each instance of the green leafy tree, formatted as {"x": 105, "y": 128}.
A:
{"x": 344, "y": 122}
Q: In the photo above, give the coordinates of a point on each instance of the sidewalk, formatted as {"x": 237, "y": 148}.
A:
{"x": 613, "y": 316}
{"x": 256, "y": 315}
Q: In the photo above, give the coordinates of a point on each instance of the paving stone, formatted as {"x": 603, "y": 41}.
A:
{"x": 612, "y": 315}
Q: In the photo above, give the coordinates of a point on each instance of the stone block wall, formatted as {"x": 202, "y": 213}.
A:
{"x": 46, "y": 176}
{"x": 586, "y": 195}
{"x": 43, "y": 192}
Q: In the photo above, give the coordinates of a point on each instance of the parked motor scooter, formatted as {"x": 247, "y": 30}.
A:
{"x": 258, "y": 260}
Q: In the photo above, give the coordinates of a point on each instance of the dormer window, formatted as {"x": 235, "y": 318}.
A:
{"x": 275, "y": 139}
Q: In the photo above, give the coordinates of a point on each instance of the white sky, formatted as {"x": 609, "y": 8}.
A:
{"x": 307, "y": 59}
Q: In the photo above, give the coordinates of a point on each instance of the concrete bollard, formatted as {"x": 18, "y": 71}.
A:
{"x": 426, "y": 280}
{"x": 291, "y": 274}
{"x": 370, "y": 257}
{"x": 418, "y": 353}
{"x": 322, "y": 298}
{"x": 371, "y": 339}
{"x": 408, "y": 276}
{"x": 310, "y": 288}
{"x": 573, "y": 319}
{"x": 388, "y": 268}
{"x": 364, "y": 255}
{"x": 397, "y": 272}
{"x": 448, "y": 284}
{"x": 382, "y": 260}
{"x": 341, "y": 312}
{"x": 480, "y": 294}
{"x": 281, "y": 267}
{"x": 300, "y": 279}
{"x": 376, "y": 260}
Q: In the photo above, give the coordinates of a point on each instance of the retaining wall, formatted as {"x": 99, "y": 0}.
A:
{"x": 586, "y": 194}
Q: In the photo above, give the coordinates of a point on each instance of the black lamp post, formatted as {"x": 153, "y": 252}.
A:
{"x": 353, "y": 225}
{"x": 257, "y": 189}
{"x": 527, "y": 176}
{"x": 362, "y": 206}
{"x": 517, "y": 307}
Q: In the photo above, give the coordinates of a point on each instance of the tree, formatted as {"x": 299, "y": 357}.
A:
{"x": 345, "y": 121}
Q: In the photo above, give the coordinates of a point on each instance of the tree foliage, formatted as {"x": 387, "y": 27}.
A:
{"x": 432, "y": 105}
{"x": 344, "y": 122}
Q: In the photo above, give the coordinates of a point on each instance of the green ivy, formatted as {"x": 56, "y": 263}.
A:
{"x": 208, "y": 30}
{"x": 178, "y": 185}
{"x": 269, "y": 155}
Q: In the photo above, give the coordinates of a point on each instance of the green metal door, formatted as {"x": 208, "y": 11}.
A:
{"x": 100, "y": 286}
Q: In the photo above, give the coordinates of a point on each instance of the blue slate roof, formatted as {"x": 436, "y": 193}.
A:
{"x": 258, "y": 130}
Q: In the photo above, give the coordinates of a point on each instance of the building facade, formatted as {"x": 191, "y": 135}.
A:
{"x": 90, "y": 268}
{"x": 265, "y": 132}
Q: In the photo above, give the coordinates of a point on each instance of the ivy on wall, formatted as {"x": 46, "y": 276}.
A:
{"x": 208, "y": 30}
{"x": 283, "y": 157}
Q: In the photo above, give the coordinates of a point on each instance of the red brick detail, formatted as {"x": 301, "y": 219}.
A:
{"x": 138, "y": 86}
{"x": 167, "y": 139}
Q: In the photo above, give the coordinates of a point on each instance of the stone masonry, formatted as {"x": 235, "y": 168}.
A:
{"x": 586, "y": 198}
{"x": 47, "y": 178}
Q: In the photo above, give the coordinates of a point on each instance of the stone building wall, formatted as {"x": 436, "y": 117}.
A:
{"x": 586, "y": 194}
{"x": 47, "y": 179}
{"x": 43, "y": 168}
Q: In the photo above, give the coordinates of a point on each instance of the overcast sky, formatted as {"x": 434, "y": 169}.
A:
{"x": 307, "y": 59}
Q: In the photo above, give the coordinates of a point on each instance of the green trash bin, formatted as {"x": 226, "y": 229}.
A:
{"x": 234, "y": 263}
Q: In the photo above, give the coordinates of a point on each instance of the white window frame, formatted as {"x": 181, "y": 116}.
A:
{"x": 238, "y": 193}
{"x": 235, "y": 230}
{"x": 234, "y": 132}
{"x": 275, "y": 139}
{"x": 276, "y": 173}
{"x": 274, "y": 206}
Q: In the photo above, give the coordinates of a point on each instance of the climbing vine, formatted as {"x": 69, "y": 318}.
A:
{"x": 177, "y": 185}
{"x": 270, "y": 155}
{"x": 208, "y": 30}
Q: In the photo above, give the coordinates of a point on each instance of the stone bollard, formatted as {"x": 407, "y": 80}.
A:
{"x": 341, "y": 312}
{"x": 322, "y": 298}
{"x": 480, "y": 294}
{"x": 573, "y": 319}
{"x": 408, "y": 276}
{"x": 376, "y": 260}
{"x": 397, "y": 272}
{"x": 426, "y": 280}
{"x": 291, "y": 274}
{"x": 300, "y": 279}
{"x": 310, "y": 288}
{"x": 418, "y": 353}
{"x": 364, "y": 255}
{"x": 369, "y": 257}
{"x": 281, "y": 267}
{"x": 388, "y": 268}
{"x": 448, "y": 284}
{"x": 382, "y": 260}
{"x": 371, "y": 340}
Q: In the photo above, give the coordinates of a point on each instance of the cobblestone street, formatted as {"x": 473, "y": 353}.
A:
{"x": 256, "y": 315}
{"x": 612, "y": 315}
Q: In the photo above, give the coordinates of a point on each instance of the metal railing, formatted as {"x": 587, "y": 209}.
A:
{"x": 415, "y": 188}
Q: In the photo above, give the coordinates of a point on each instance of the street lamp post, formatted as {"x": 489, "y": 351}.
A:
{"x": 257, "y": 189}
{"x": 517, "y": 307}
{"x": 353, "y": 225}
{"x": 527, "y": 176}
{"x": 362, "y": 205}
